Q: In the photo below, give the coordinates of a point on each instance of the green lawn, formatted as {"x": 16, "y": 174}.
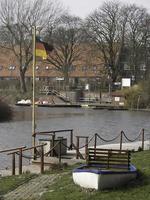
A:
{"x": 139, "y": 189}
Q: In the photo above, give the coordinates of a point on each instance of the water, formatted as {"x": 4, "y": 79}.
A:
{"x": 84, "y": 122}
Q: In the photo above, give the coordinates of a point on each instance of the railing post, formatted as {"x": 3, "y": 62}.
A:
{"x": 53, "y": 143}
{"x": 20, "y": 161}
{"x": 13, "y": 164}
{"x": 95, "y": 144}
{"x": 60, "y": 152}
{"x": 121, "y": 134}
{"x": 71, "y": 139}
{"x": 86, "y": 147}
{"x": 77, "y": 150}
{"x": 42, "y": 159}
{"x": 142, "y": 139}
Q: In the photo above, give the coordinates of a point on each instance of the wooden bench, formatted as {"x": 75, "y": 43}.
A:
{"x": 109, "y": 158}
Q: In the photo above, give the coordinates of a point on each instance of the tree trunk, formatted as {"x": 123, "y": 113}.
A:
{"x": 22, "y": 82}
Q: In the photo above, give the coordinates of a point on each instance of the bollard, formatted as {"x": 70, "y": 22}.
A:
{"x": 142, "y": 139}
{"x": 53, "y": 143}
{"x": 20, "y": 161}
{"x": 86, "y": 148}
{"x": 60, "y": 152}
{"x": 121, "y": 135}
{"x": 77, "y": 150}
{"x": 42, "y": 159}
{"x": 13, "y": 164}
{"x": 71, "y": 139}
{"x": 95, "y": 144}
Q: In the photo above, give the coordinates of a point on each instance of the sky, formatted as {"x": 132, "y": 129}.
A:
{"x": 82, "y": 8}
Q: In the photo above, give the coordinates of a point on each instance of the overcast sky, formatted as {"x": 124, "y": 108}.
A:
{"x": 82, "y": 8}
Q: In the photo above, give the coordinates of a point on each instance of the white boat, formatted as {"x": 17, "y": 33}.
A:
{"x": 96, "y": 177}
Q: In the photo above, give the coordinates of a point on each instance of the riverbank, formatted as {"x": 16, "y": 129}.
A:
{"x": 58, "y": 185}
{"x": 70, "y": 159}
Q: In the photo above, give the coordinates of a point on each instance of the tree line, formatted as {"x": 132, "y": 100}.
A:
{"x": 120, "y": 34}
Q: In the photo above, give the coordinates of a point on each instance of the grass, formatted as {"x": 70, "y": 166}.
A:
{"x": 9, "y": 183}
{"x": 139, "y": 189}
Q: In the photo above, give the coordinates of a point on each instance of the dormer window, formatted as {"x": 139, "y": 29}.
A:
{"x": 47, "y": 67}
{"x": 37, "y": 67}
{"x": 11, "y": 67}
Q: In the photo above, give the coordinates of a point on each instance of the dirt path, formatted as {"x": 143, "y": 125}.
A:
{"x": 33, "y": 189}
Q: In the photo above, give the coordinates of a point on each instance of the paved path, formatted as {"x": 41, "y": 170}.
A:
{"x": 33, "y": 189}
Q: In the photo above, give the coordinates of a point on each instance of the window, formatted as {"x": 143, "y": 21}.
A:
{"x": 126, "y": 66}
{"x": 84, "y": 68}
{"x": 11, "y": 67}
{"x": 1, "y": 67}
{"x": 47, "y": 67}
{"x": 143, "y": 67}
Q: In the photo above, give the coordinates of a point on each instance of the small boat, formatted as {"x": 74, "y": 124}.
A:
{"x": 24, "y": 103}
{"x": 96, "y": 177}
{"x": 105, "y": 169}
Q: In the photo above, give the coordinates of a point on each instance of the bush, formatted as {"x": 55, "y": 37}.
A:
{"x": 5, "y": 112}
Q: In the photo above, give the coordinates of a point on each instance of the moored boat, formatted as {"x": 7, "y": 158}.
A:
{"x": 96, "y": 177}
{"x": 105, "y": 169}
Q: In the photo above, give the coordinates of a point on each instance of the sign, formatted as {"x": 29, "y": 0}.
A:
{"x": 126, "y": 82}
{"x": 117, "y": 99}
{"x": 59, "y": 78}
{"x": 87, "y": 87}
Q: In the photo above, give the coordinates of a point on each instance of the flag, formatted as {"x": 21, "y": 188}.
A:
{"x": 42, "y": 48}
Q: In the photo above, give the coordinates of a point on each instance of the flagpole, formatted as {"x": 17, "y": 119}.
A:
{"x": 33, "y": 88}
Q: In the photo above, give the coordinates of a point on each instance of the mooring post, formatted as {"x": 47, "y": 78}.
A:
{"x": 77, "y": 150}
{"x": 60, "y": 152}
{"x": 71, "y": 139}
{"x": 121, "y": 134}
{"x": 42, "y": 159}
{"x": 86, "y": 148}
{"x": 95, "y": 144}
{"x": 20, "y": 161}
{"x": 13, "y": 164}
{"x": 53, "y": 143}
{"x": 142, "y": 139}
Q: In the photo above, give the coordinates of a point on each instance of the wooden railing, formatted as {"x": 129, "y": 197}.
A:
{"x": 20, "y": 153}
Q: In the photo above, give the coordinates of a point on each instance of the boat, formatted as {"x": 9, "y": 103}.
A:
{"x": 96, "y": 177}
{"x": 105, "y": 169}
{"x": 24, "y": 102}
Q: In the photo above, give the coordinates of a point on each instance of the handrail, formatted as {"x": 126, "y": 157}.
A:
{"x": 27, "y": 149}
{"x": 13, "y": 149}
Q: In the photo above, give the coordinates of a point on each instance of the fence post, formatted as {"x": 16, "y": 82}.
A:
{"x": 121, "y": 134}
{"x": 60, "y": 152}
{"x": 86, "y": 147}
{"x": 20, "y": 161}
{"x": 13, "y": 164}
{"x": 142, "y": 139}
{"x": 71, "y": 139}
{"x": 77, "y": 150}
{"x": 42, "y": 159}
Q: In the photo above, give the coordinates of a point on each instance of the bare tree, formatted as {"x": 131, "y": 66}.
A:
{"x": 137, "y": 38}
{"x": 66, "y": 40}
{"x": 106, "y": 27}
{"x": 17, "y": 17}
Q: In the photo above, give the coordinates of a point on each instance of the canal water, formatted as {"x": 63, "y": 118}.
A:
{"x": 84, "y": 122}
